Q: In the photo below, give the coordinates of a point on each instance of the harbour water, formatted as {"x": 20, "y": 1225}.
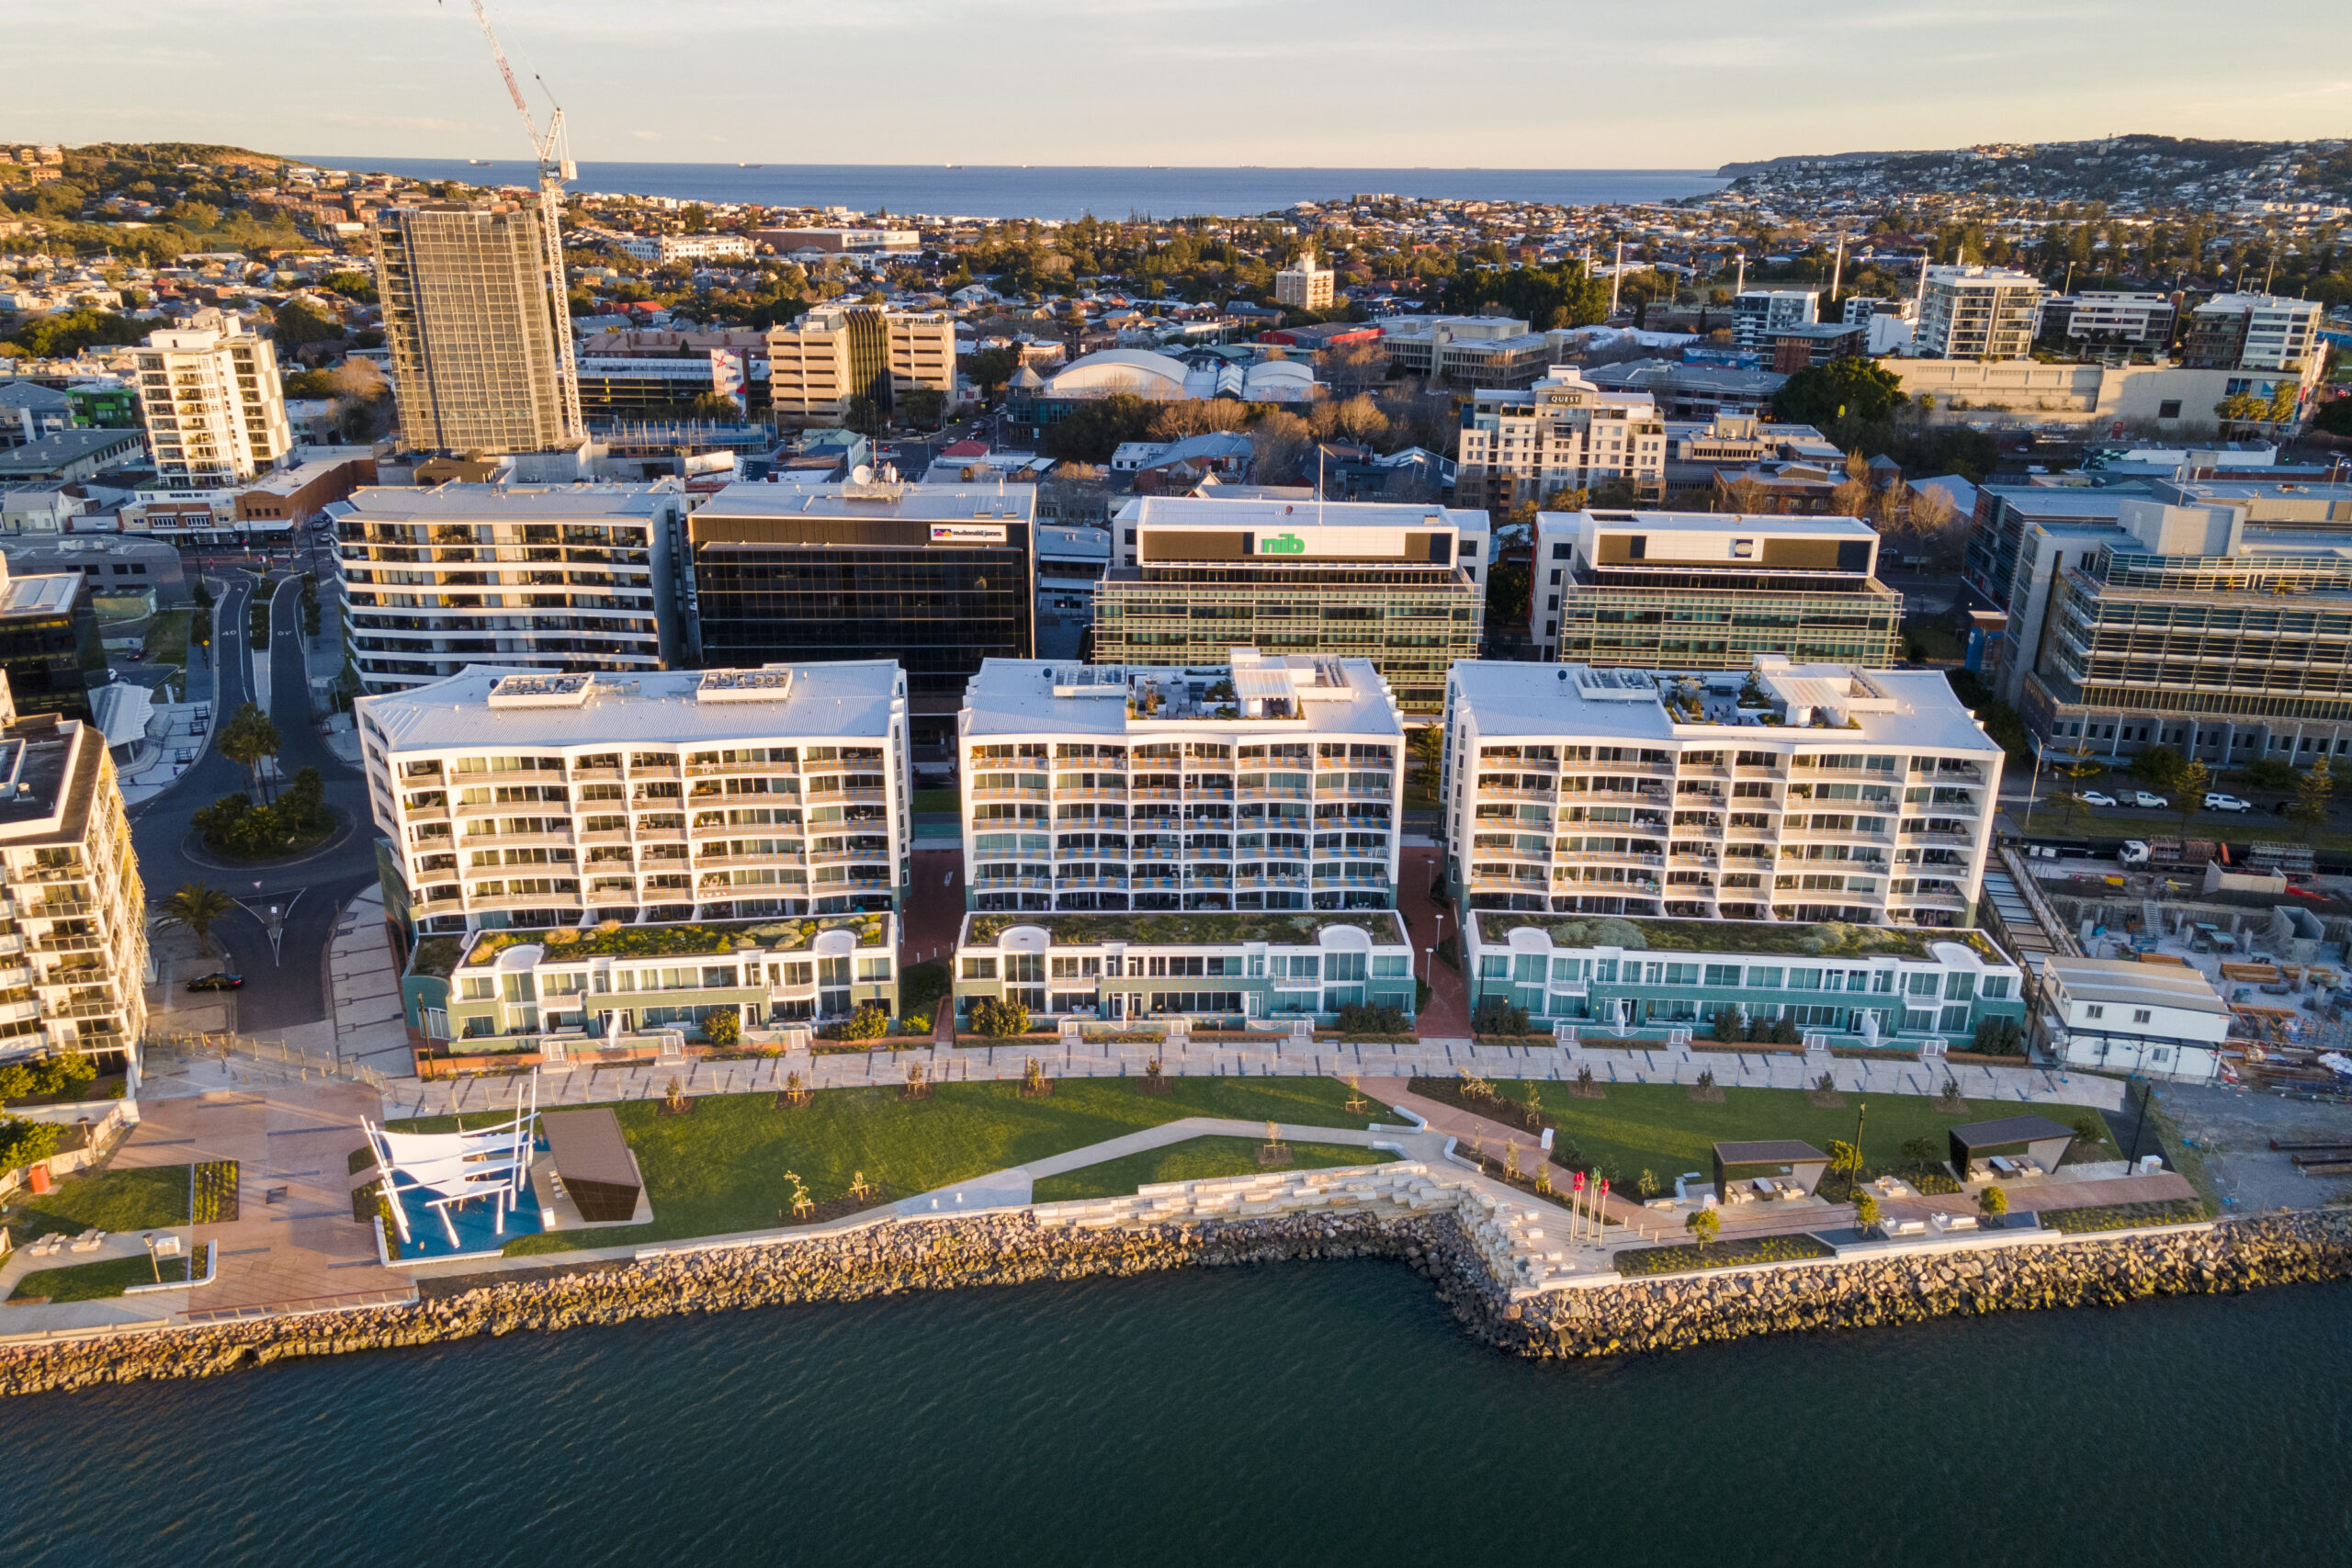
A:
{"x": 1018, "y": 191}
{"x": 1289, "y": 1414}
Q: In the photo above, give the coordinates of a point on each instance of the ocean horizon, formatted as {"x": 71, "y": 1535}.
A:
{"x": 1056, "y": 191}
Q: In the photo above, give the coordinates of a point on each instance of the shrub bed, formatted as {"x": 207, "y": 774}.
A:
{"x": 1639, "y": 1260}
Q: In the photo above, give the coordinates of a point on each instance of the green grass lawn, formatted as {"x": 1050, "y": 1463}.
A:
{"x": 118, "y": 1200}
{"x": 95, "y": 1282}
{"x": 720, "y": 1168}
{"x": 1934, "y": 638}
{"x": 938, "y": 800}
{"x": 1194, "y": 1159}
{"x": 167, "y": 638}
{"x": 1658, "y": 1128}
{"x": 2230, "y": 828}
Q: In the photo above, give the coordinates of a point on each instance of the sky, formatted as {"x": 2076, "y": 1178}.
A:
{"x": 1364, "y": 84}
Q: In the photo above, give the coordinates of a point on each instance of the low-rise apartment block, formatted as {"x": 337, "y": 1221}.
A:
{"x": 512, "y": 798}
{"x": 1213, "y": 970}
{"x": 1812, "y": 792}
{"x": 2098, "y": 316}
{"x": 1707, "y": 591}
{"x": 1563, "y": 433}
{"x": 1256, "y": 783}
{"x": 664, "y": 249}
{"x": 1616, "y": 979}
{"x": 2252, "y": 331}
{"x": 552, "y": 578}
{"x": 1758, "y": 313}
{"x": 1398, "y": 585}
{"x": 1303, "y": 286}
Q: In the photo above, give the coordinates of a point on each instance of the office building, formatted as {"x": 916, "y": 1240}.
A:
{"x": 939, "y": 578}
{"x": 2112, "y": 1015}
{"x": 1867, "y": 797}
{"x": 1707, "y": 591}
{"x": 77, "y": 909}
{"x": 1215, "y": 971}
{"x": 539, "y": 577}
{"x": 2161, "y": 615}
{"x": 216, "y": 412}
{"x": 29, "y": 412}
{"x": 840, "y": 242}
{"x": 2252, "y": 331}
{"x": 1563, "y": 433}
{"x": 1303, "y": 286}
{"x": 1757, "y": 313}
{"x": 1400, "y": 585}
{"x": 628, "y": 387}
{"x": 2099, "y": 317}
{"x": 1642, "y": 980}
{"x": 49, "y": 642}
{"x": 1693, "y": 391}
{"x": 1466, "y": 351}
{"x": 477, "y": 328}
{"x": 516, "y": 798}
{"x": 1787, "y": 350}
{"x": 1976, "y": 312}
{"x": 1249, "y": 783}
{"x": 837, "y": 352}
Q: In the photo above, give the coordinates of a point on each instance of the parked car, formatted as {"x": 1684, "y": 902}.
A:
{"x": 2227, "y": 803}
{"x": 2093, "y": 798}
{"x": 219, "y": 980}
{"x": 2146, "y": 802}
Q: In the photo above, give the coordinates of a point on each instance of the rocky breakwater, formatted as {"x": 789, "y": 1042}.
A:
{"x": 1676, "y": 1314}
{"x": 879, "y": 1261}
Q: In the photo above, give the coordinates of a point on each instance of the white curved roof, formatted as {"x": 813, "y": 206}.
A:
{"x": 1137, "y": 370}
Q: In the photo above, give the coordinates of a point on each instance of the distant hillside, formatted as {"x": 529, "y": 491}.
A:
{"x": 2131, "y": 172}
{"x": 1810, "y": 159}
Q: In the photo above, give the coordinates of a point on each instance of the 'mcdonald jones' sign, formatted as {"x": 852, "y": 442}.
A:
{"x": 967, "y": 533}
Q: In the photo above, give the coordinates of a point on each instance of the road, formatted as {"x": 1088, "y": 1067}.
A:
{"x": 292, "y": 989}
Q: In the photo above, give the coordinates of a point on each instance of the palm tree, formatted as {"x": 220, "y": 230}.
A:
{"x": 246, "y": 739}
{"x": 195, "y": 907}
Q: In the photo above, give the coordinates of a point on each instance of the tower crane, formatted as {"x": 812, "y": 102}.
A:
{"x": 553, "y": 150}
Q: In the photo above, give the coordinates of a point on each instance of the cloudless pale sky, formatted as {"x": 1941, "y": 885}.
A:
{"x": 1496, "y": 83}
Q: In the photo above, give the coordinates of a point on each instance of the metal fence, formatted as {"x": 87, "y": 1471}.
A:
{"x": 297, "y": 1062}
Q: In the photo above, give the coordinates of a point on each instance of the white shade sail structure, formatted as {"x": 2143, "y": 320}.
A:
{"x": 445, "y": 1169}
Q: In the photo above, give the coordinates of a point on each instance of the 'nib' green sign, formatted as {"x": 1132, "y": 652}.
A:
{"x": 1283, "y": 545}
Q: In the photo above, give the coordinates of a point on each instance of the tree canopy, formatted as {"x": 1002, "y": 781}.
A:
{"x": 1847, "y": 389}
{"x": 1544, "y": 297}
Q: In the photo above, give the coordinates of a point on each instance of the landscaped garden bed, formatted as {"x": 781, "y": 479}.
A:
{"x": 151, "y": 1198}
{"x": 1194, "y": 929}
{"x": 1830, "y": 939}
{"x": 1195, "y": 1159}
{"x": 97, "y": 1281}
{"x": 1640, "y": 1260}
{"x": 724, "y": 1167}
{"x": 2120, "y": 1216}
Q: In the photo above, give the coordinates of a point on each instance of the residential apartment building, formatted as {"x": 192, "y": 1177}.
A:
{"x": 540, "y": 577}
{"x": 2252, "y": 331}
{"x": 835, "y": 353}
{"x": 840, "y": 242}
{"x": 1869, "y": 797}
{"x": 1563, "y": 433}
{"x": 1211, "y": 970}
{"x": 1398, "y": 585}
{"x": 940, "y": 578}
{"x": 1251, "y": 783}
{"x": 513, "y": 798}
{"x": 1703, "y": 591}
{"x": 1468, "y": 351}
{"x": 215, "y": 409}
{"x": 2100, "y": 316}
{"x": 477, "y": 328}
{"x": 1303, "y": 286}
{"x": 1757, "y": 313}
{"x": 75, "y": 912}
{"x": 1977, "y": 312}
{"x": 664, "y": 249}
{"x": 1639, "y": 979}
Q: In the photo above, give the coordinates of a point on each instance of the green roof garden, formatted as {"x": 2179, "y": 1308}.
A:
{"x": 1830, "y": 939}
{"x": 437, "y": 955}
{"x": 613, "y": 940}
{"x": 1186, "y": 930}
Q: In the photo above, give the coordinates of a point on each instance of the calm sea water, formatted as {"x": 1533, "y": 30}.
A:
{"x": 1007, "y": 191}
{"x": 1300, "y": 1414}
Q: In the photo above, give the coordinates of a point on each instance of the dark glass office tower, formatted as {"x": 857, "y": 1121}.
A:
{"x": 938, "y": 579}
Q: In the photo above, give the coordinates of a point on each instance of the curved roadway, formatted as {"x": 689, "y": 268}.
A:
{"x": 291, "y": 990}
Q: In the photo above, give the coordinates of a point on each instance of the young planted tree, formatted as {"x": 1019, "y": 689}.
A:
{"x": 2075, "y": 768}
{"x": 1992, "y": 1202}
{"x": 195, "y": 907}
{"x": 2188, "y": 790}
{"x": 1865, "y": 1210}
{"x": 1705, "y": 1225}
{"x": 2313, "y": 789}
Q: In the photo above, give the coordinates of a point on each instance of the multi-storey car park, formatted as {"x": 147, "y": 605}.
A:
{"x": 573, "y": 577}
{"x": 512, "y": 798}
{"x": 1707, "y": 591}
{"x": 1395, "y": 584}
{"x": 1806, "y": 793}
{"x": 1259, "y": 783}
{"x": 75, "y": 926}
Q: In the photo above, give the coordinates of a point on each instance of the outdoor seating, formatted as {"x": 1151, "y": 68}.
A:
{"x": 1765, "y": 1187}
{"x": 88, "y": 1241}
{"x": 1904, "y": 1227}
{"x": 1955, "y": 1222}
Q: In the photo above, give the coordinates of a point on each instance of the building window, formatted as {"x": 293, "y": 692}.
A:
{"x": 2140, "y": 1015}
{"x": 2093, "y": 1010}
{"x": 2168, "y": 408}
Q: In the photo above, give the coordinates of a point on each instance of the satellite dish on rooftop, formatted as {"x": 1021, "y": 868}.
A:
{"x": 861, "y": 475}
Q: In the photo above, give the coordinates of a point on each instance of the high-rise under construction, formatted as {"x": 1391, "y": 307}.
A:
{"x": 476, "y": 329}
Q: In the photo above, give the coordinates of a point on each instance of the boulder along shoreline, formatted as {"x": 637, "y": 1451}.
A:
{"x": 1624, "y": 1317}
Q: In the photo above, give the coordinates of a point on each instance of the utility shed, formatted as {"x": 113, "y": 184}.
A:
{"x": 1776, "y": 1159}
{"x": 2036, "y": 1138}
{"x": 594, "y": 1162}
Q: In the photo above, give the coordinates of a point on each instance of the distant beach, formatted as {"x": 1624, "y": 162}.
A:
{"x": 1063, "y": 192}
